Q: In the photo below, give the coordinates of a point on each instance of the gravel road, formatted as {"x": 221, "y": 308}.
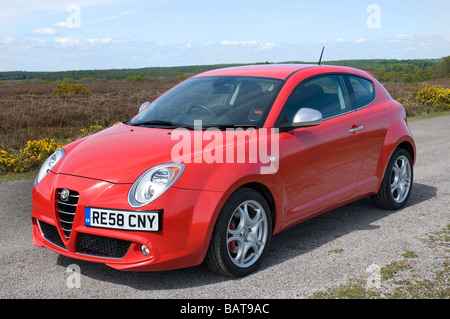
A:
{"x": 323, "y": 252}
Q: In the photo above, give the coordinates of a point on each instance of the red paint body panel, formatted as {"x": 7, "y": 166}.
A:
{"x": 324, "y": 166}
{"x": 320, "y": 168}
{"x": 180, "y": 242}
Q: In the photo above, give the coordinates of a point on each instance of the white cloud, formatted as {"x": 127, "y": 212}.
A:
{"x": 67, "y": 25}
{"x": 240, "y": 43}
{"x": 44, "y": 31}
{"x": 269, "y": 46}
{"x": 66, "y": 41}
{"x": 420, "y": 42}
{"x": 361, "y": 41}
{"x": 9, "y": 41}
{"x": 92, "y": 41}
{"x": 108, "y": 41}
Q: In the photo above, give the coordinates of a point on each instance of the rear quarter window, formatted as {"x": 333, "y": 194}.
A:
{"x": 362, "y": 91}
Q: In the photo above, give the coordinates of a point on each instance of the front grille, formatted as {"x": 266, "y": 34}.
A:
{"x": 87, "y": 244}
{"x": 50, "y": 233}
{"x": 102, "y": 246}
{"x": 66, "y": 210}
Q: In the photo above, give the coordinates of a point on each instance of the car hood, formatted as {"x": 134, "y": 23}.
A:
{"x": 122, "y": 153}
{"x": 119, "y": 154}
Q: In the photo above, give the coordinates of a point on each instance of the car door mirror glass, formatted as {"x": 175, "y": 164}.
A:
{"x": 144, "y": 105}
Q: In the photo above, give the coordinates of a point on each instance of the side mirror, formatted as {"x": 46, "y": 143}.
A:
{"x": 144, "y": 105}
{"x": 303, "y": 118}
{"x": 307, "y": 117}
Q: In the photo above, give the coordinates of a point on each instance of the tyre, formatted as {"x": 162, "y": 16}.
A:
{"x": 241, "y": 236}
{"x": 397, "y": 182}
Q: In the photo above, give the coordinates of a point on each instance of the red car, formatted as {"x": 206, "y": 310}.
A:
{"x": 216, "y": 166}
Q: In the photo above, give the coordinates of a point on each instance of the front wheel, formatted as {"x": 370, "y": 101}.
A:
{"x": 397, "y": 182}
{"x": 241, "y": 236}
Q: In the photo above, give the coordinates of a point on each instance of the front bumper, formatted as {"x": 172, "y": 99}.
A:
{"x": 188, "y": 218}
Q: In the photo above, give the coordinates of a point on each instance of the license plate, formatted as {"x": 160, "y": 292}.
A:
{"x": 125, "y": 220}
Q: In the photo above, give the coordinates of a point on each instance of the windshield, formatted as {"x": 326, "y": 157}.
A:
{"x": 216, "y": 101}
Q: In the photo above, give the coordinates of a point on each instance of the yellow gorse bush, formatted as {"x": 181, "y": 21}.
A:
{"x": 7, "y": 160}
{"x": 91, "y": 130}
{"x": 69, "y": 89}
{"x": 433, "y": 96}
{"x": 37, "y": 151}
{"x": 28, "y": 158}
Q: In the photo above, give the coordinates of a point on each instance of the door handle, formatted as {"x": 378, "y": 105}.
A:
{"x": 356, "y": 129}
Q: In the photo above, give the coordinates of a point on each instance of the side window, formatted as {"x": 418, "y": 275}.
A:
{"x": 362, "y": 91}
{"x": 326, "y": 94}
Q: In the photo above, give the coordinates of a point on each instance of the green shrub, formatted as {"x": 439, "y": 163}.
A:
{"x": 68, "y": 81}
{"x": 137, "y": 78}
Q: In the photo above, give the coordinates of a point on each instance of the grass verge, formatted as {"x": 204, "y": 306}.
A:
{"x": 10, "y": 177}
{"x": 428, "y": 116}
{"x": 401, "y": 279}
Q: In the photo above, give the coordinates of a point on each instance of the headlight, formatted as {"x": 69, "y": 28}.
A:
{"x": 51, "y": 161}
{"x": 153, "y": 183}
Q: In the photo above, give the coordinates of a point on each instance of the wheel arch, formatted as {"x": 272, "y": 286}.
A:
{"x": 406, "y": 145}
{"x": 267, "y": 194}
{"x": 398, "y": 135}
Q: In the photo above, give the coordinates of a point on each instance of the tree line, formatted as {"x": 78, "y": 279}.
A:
{"x": 110, "y": 74}
{"x": 385, "y": 70}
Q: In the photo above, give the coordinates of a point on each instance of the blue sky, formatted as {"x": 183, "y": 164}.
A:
{"x": 101, "y": 34}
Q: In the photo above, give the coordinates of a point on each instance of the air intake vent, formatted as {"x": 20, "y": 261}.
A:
{"x": 67, "y": 202}
{"x": 51, "y": 234}
{"x": 102, "y": 246}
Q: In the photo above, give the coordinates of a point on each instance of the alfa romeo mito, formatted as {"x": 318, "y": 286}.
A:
{"x": 220, "y": 163}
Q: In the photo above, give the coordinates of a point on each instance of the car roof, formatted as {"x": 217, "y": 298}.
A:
{"x": 278, "y": 71}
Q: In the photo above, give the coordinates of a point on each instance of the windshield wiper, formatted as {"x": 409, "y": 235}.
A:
{"x": 193, "y": 127}
{"x": 162, "y": 123}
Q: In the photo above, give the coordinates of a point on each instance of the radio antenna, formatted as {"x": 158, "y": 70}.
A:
{"x": 321, "y": 54}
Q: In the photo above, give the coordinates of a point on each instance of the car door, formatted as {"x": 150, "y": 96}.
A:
{"x": 319, "y": 165}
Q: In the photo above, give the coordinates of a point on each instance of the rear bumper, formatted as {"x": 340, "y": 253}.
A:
{"x": 188, "y": 219}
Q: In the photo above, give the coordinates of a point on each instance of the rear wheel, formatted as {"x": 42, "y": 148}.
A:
{"x": 397, "y": 182}
{"x": 241, "y": 236}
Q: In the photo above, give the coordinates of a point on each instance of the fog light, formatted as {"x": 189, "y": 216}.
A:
{"x": 144, "y": 250}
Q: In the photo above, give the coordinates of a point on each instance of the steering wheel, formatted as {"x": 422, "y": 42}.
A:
{"x": 201, "y": 106}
